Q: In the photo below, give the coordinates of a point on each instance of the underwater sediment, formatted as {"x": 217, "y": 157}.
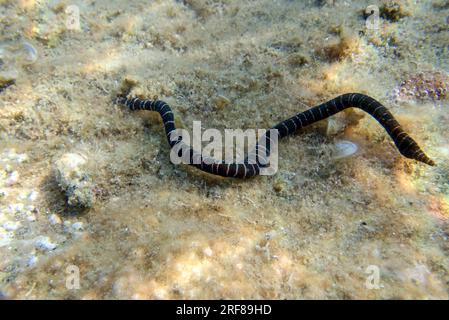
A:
{"x": 135, "y": 226}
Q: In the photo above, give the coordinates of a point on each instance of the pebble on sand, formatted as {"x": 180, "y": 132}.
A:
{"x": 71, "y": 176}
{"x": 45, "y": 244}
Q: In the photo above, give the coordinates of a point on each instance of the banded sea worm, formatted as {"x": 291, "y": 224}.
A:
{"x": 246, "y": 169}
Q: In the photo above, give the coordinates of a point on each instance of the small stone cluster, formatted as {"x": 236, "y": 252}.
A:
{"x": 433, "y": 85}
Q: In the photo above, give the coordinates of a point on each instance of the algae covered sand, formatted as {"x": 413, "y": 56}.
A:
{"x": 92, "y": 207}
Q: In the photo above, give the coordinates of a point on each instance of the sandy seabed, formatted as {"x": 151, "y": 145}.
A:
{"x": 374, "y": 225}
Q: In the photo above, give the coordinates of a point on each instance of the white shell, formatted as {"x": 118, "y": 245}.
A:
{"x": 27, "y": 53}
{"x": 344, "y": 149}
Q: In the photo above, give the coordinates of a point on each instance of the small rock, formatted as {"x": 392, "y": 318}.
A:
{"x": 44, "y": 243}
{"x": 278, "y": 185}
{"x": 16, "y": 207}
{"x": 11, "y": 225}
{"x": 70, "y": 163}
{"x": 221, "y": 101}
{"x": 32, "y": 261}
{"x": 22, "y": 195}
{"x": 33, "y": 196}
{"x": 54, "y": 219}
{"x": 335, "y": 126}
{"x": 77, "y": 226}
{"x": 12, "y": 179}
{"x": 208, "y": 252}
{"x": 11, "y": 155}
{"x": 74, "y": 180}
{"x": 67, "y": 223}
{"x": 8, "y": 168}
{"x": 270, "y": 235}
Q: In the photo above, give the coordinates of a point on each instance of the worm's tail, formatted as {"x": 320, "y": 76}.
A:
{"x": 405, "y": 144}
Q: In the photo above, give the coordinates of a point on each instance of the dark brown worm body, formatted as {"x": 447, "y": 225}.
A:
{"x": 405, "y": 144}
